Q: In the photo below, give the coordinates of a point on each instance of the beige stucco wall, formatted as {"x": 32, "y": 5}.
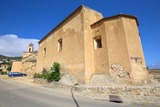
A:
{"x": 101, "y": 61}
{"x": 133, "y": 39}
{"x": 139, "y": 72}
{"x": 71, "y": 57}
{"x": 114, "y": 46}
{"x": 121, "y": 45}
{"x": 89, "y": 17}
{"x": 16, "y": 66}
{"x": 116, "y": 43}
{"x": 29, "y": 67}
{"x": 76, "y": 55}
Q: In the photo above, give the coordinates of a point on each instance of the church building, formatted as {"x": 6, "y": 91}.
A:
{"x": 86, "y": 44}
{"x": 28, "y": 63}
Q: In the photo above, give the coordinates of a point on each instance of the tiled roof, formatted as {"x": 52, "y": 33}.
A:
{"x": 115, "y": 17}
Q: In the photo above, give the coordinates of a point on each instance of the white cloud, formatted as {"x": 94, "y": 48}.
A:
{"x": 12, "y": 45}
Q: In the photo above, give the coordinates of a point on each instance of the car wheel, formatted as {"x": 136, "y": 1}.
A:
{"x": 23, "y": 75}
{"x": 12, "y": 76}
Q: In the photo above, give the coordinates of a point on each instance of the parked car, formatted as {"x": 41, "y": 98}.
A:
{"x": 16, "y": 74}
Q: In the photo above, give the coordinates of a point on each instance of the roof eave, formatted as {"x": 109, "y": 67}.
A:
{"x": 67, "y": 18}
{"x": 116, "y": 16}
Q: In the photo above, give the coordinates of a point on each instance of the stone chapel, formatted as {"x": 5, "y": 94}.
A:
{"x": 86, "y": 44}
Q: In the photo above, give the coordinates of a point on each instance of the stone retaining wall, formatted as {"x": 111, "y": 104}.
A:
{"x": 146, "y": 95}
{"x": 145, "y": 90}
{"x": 121, "y": 90}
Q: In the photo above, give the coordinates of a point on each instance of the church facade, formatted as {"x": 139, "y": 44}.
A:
{"x": 29, "y": 60}
{"x": 28, "y": 63}
{"x": 87, "y": 44}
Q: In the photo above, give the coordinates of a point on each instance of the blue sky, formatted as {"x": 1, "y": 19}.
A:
{"x": 27, "y": 21}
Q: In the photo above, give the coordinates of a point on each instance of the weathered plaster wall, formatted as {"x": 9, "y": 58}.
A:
{"x": 16, "y": 66}
{"x": 71, "y": 57}
{"x": 116, "y": 44}
{"x": 101, "y": 63}
{"x": 76, "y": 56}
{"x": 29, "y": 67}
{"x": 135, "y": 51}
{"x": 89, "y": 17}
{"x": 133, "y": 40}
{"x": 29, "y": 60}
{"x": 120, "y": 45}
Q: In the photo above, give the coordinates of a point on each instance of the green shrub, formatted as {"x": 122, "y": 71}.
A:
{"x": 3, "y": 73}
{"x": 55, "y": 67}
{"x": 9, "y": 67}
{"x": 56, "y": 76}
{"x": 46, "y": 75}
{"x": 55, "y": 73}
{"x": 38, "y": 75}
{"x": 52, "y": 75}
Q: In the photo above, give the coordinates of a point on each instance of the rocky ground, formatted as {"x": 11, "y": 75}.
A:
{"x": 142, "y": 95}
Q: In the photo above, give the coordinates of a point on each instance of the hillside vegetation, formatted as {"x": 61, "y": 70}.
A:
{"x": 7, "y": 58}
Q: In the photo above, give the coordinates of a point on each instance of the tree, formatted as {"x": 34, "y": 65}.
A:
{"x": 9, "y": 67}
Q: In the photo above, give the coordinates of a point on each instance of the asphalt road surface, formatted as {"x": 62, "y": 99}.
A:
{"x": 18, "y": 95}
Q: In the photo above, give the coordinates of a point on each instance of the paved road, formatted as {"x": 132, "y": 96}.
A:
{"x": 18, "y": 95}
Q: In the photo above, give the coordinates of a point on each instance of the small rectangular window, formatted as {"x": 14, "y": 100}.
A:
{"x": 97, "y": 42}
{"x": 59, "y": 45}
{"x": 44, "y": 52}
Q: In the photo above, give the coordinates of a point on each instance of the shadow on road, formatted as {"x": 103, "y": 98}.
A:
{"x": 73, "y": 95}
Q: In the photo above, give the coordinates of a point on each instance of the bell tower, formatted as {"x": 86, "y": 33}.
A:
{"x": 30, "y": 47}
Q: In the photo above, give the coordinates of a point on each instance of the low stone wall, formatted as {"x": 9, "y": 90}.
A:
{"x": 145, "y": 90}
{"x": 120, "y": 90}
{"x": 146, "y": 95}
